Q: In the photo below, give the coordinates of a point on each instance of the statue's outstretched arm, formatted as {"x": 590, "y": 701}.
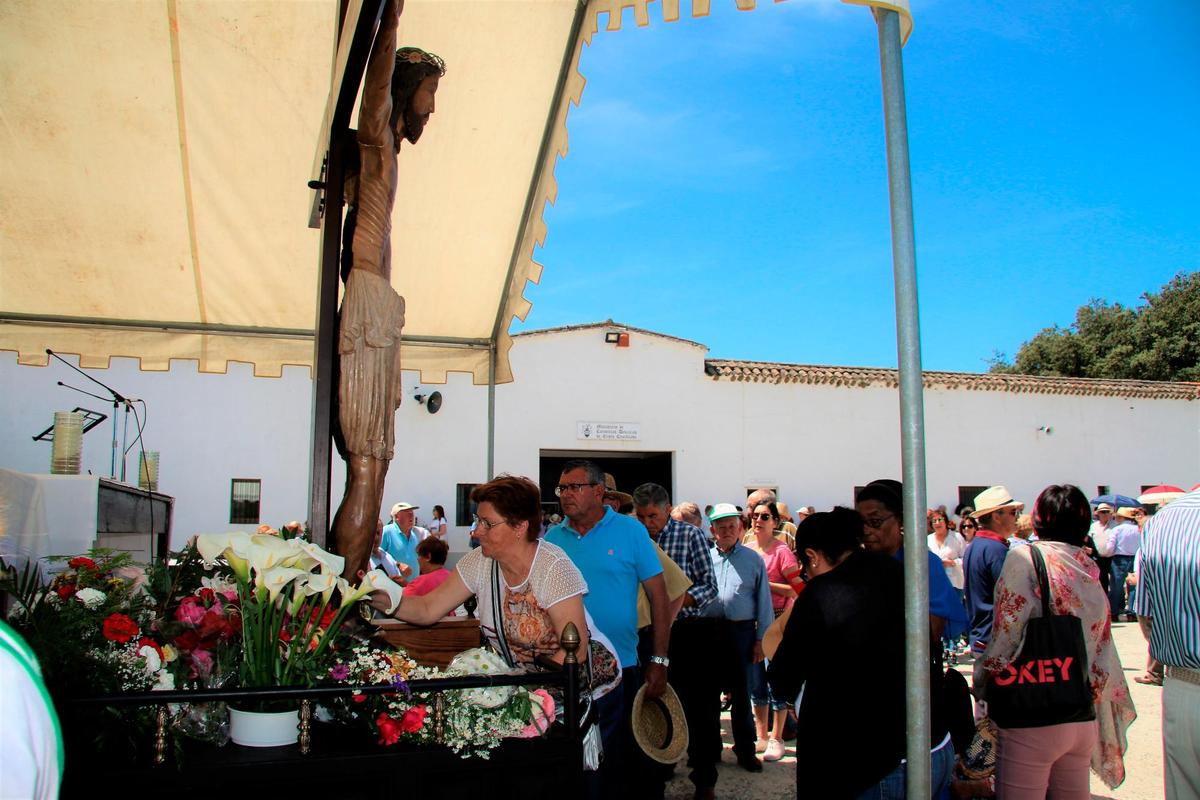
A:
{"x": 375, "y": 113}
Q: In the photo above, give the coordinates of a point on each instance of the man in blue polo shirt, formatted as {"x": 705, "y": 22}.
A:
{"x": 615, "y": 556}
{"x": 401, "y": 537}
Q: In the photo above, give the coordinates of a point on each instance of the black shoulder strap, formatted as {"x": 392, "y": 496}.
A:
{"x": 1039, "y": 567}
{"x": 498, "y": 616}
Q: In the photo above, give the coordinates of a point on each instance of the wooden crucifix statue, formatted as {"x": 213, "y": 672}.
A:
{"x": 397, "y": 100}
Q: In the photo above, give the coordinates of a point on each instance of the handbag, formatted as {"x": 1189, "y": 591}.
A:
{"x": 1047, "y": 683}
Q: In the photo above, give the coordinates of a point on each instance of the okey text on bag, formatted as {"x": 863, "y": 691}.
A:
{"x": 1036, "y": 671}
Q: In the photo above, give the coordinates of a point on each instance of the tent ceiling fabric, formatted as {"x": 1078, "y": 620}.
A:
{"x": 164, "y": 153}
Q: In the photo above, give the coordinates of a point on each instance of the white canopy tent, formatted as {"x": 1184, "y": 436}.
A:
{"x": 155, "y": 194}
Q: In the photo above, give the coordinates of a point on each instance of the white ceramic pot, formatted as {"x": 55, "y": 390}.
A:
{"x": 264, "y": 728}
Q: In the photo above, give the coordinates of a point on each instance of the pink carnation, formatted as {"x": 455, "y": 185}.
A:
{"x": 542, "y": 706}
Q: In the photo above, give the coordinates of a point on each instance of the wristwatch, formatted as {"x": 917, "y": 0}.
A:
{"x": 660, "y": 660}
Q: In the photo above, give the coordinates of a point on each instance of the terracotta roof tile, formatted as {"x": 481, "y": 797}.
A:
{"x": 860, "y": 377}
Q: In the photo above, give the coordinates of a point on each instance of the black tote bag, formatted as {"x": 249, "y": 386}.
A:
{"x": 1047, "y": 683}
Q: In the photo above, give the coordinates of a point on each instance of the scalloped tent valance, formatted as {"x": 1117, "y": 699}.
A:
{"x": 155, "y": 198}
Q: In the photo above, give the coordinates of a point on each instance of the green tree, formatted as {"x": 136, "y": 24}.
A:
{"x": 1159, "y": 340}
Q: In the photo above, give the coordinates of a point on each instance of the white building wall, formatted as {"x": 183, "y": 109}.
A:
{"x": 815, "y": 442}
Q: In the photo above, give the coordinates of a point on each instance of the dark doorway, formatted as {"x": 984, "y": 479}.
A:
{"x": 630, "y": 470}
{"x": 967, "y": 495}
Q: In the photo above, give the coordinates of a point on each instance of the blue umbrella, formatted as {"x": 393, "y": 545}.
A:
{"x": 1116, "y": 501}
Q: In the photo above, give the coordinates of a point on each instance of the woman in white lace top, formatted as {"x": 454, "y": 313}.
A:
{"x": 538, "y": 588}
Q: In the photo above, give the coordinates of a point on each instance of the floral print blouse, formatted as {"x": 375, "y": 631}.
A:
{"x": 1074, "y": 589}
{"x": 525, "y": 613}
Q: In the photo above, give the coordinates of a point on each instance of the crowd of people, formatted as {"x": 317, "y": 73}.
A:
{"x": 798, "y": 623}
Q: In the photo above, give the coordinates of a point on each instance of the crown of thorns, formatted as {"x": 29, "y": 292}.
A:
{"x": 415, "y": 55}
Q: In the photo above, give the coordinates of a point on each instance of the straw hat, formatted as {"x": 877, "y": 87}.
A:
{"x": 992, "y": 499}
{"x": 659, "y": 726}
{"x": 1128, "y": 513}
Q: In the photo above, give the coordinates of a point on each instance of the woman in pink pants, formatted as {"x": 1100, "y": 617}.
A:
{"x": 1053, "y": 761}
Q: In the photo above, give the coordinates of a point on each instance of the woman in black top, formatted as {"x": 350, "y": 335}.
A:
{"x": 844, "y": 646}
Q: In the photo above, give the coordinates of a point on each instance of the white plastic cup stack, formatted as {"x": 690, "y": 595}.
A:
{"x": 148, "y": 470}
{"x": 68, "y": 443}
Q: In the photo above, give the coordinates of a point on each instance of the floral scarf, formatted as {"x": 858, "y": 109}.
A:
{"x": 1074, "y": 589}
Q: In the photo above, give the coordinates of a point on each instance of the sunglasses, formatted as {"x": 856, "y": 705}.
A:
{"x": 763, "y": 517}
{"x": 876, "y": 524}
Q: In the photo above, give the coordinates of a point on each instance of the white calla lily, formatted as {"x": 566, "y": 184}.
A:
{"x": 211, "y": 546}
{"x": 322, "y": 584}
{"x": 275, "y": 579}
{"x": 232, "y": 545}
{"x": 377, "y": 581}
{"x": 265, "y": 552}
{"x": 330, "y": 564}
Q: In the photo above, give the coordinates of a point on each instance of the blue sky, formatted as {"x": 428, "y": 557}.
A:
{"x": 726, "y": 180}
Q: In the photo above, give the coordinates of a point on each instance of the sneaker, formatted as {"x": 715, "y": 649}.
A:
{"x": 774, "y": 750}
{"x": 760, "y": 745}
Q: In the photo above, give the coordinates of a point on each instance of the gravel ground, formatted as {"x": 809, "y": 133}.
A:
{"x": 1143, "y": 761}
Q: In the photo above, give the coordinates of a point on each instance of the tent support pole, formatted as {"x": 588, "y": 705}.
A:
{"x": 491, "y": 412}
{"x": 912, "y": 410}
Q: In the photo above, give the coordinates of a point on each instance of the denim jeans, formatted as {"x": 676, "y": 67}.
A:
{"x": 894, "y": 786}
{"x": 760, "y": 688}
{"x": 1121, "y": 567}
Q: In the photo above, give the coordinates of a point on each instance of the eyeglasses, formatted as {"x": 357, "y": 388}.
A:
{"x": 763, "y": 517}
{"x": 1011, "y": 510}
{"x": 487, "y": 524}
{"x": 876, "y": 524}
{"x": 562, "y": 488}
{"x": 970, "y": 525}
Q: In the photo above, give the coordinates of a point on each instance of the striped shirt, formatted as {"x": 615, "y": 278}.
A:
{"x": 1169, "y": 582}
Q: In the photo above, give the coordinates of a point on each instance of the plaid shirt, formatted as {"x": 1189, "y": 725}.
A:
{"x": 689, "y": 547}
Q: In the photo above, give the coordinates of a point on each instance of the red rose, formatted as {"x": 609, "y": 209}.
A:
{"x": 413, "y": 719}
{"x": 359, "y": 698}
{"x": 120, "y": 628}
{"x": 207, "y": 596}
{"x": 212, "y": 623}
{"x": 233, "y": 626}
{"x": 81, "y": 562}
{"x": 389, "y": 731}
{"x": 187, "y": 641}
{"x": 66, "y": 591}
